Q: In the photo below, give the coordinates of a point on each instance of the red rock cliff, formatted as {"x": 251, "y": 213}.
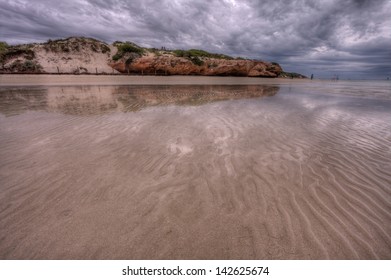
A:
{"x": 77, "y": 55}
{"x": 168, "y": 64}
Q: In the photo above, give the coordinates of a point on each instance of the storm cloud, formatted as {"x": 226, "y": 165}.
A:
{"x": 350, "y": 38}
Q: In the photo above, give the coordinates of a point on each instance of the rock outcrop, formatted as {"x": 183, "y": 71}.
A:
{"x": 171, "y": 65}
{"x": 77, "y": 55}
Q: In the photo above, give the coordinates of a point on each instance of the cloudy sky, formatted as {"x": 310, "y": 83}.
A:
{"x": 349, "y": 38}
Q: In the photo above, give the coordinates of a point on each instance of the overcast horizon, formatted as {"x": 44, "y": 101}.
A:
{"x": 351, "y": 39}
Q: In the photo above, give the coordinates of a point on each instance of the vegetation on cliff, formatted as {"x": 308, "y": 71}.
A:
{"x": 21, "y": 58}
{"x": 75, "y": 44}
{"x": 196, "y": 56}
{"x": 3, "y": 47}
{"x": 17, "y": 51}
{"x": 87, "y": 55}
{"x": 127, "y": 48}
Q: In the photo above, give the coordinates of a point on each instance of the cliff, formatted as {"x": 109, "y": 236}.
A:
{"x": 70, "y": 56}
{"x": 77, "y": 55}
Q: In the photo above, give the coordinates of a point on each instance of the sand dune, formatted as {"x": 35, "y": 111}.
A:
{"x": 286, "y": 177}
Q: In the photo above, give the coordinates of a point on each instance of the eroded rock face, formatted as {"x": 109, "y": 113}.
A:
{"x": 78, "y": 55}
{"x": 171, "y": 65}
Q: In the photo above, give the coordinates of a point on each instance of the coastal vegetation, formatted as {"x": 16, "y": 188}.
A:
{"x": 28, "y": 66}
{"x": 126, "y": 48}
{"x": 8, "y": 52}
{"x": 90, "y": 56}
{"x": 21, "y": 57}
{"x": 200, "y": 53}
{"x": 75, "y": 44}
{"x": 196, "y": 56}
{"x": 3, "y": 50}
{"x": 3, "y": 46}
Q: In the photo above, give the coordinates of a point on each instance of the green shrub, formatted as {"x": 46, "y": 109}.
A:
{"x": 15, "y": 51}
{"x": 129, "y": 61}
{"x": 3, "y": 51}
{"x": 3, "y": 47}
{"x": 104, "y": 48}
{"x": 94, "y": 48}
{"x": 124, "y": 48}
{"x": 128, "y": 48}
{"x": 29, "y": 65}
{"x": 64, "y": 48}
{"x": 199, "y": 53}
{"x": 117, "y": 56}
{"x": 26, "y": 66}
{"x": 196, "y": 60}
{"x": 179, "y": 53}
{"x": 117, "y": 43}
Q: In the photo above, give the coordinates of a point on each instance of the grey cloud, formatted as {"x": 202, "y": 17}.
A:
{"x": 306, "y": 36}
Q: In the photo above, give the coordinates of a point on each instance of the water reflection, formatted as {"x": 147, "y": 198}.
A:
{"x": 92, "y": 100}
{"x": 14, "y": 101}
{"x": 300, "y": 175}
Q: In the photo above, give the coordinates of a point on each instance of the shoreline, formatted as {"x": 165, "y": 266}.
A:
{"x": 118, "y": 79}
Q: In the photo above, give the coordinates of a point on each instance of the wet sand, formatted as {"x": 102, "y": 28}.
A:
{"x": 279, "y": 170}
{"x": 58, "y": 80}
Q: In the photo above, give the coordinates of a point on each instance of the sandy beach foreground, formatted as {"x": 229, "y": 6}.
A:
{"x": 259, "y": 169}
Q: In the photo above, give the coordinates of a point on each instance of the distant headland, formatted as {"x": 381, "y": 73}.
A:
{"x": 79, "y": 55}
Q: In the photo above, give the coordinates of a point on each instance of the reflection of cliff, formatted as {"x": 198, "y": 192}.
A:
{"x": 14, "y": 101}
{"x": 91, "y": 100}
{"x": 82, "y": 100}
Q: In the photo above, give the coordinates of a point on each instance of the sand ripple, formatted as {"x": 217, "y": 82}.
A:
{"x": 128, "y": 173}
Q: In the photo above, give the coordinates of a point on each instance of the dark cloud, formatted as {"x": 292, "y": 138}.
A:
{"x": 350, "y": 38}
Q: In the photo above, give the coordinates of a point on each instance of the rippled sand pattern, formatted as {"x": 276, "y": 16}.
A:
{"x": 194, "y": 172}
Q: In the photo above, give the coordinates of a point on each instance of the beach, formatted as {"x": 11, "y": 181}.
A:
{"x": 180, "y": 167}
{"x": 53, "y": 80}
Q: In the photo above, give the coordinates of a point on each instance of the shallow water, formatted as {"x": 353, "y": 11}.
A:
{"x": 280, "y": 170}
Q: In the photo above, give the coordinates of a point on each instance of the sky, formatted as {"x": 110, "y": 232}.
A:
{"x": 348, "y": 38}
